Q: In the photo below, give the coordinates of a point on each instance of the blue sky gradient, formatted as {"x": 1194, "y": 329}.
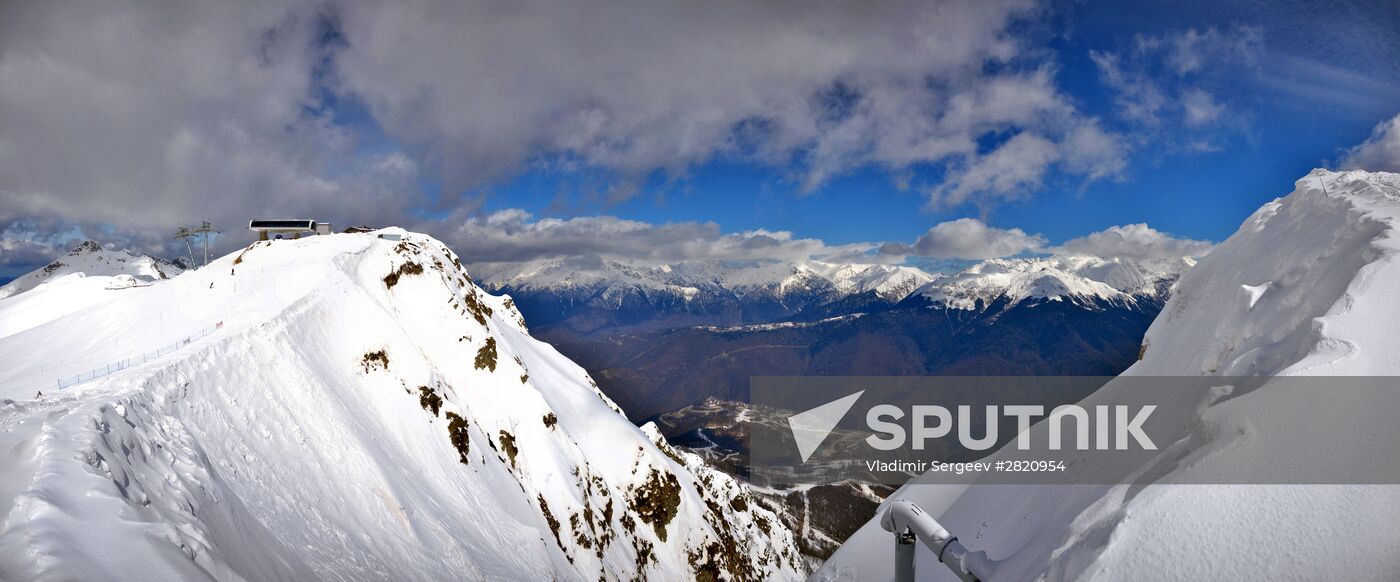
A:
{"x": 1279, "y": 135}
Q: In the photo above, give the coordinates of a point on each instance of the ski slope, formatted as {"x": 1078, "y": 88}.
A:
{"x": 1305, "y": 287}
{"x": 364, "y": 412}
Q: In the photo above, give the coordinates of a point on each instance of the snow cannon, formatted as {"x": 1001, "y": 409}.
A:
{"x": 908, "y": 522}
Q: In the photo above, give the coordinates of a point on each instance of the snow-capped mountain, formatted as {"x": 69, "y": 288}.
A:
{"x": 1080, "y": 279}
{"x": 659, "y": 338}
{"x": 588, "y": 297}
{"x": 593, "y": 297}
{"x": 687, "y": 279}
{"x": 1304, "y": 288}
{"x": 342, "y": 407}
{"x": 90, "y": 259}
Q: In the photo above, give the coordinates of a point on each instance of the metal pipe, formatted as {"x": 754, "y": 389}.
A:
{"x": 904, "y": 556}
{"x": 909, "y": 522}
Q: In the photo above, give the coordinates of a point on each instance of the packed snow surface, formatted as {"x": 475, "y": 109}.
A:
{"x": 363, "y": 412}
{"x": 1307, "y": 286}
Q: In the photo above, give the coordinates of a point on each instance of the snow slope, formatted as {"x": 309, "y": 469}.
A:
{"x": 364, "y": 412}
{"x": 90, "y": 259}
{"x": 1306, "y": 287}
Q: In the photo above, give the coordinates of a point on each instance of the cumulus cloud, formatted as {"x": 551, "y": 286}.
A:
{"x": 515, "y": 235}
{"x": 815, "y": 88}
{"x": 1380, "y": 152}
{"x": 131, "y": 117}
{"x": 1010, "y": 170}
{"x": 125, "y": 118}
{"x": 966, "y": 238}
{"x": 1134, "y": 241}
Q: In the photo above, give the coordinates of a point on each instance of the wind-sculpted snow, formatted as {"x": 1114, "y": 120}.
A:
{"x": 364, "y": 412}
{"x": 1305, "y": 287}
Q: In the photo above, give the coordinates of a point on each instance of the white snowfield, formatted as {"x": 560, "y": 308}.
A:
{"x": 1308, "y": 286}
{"x": 364, "y": 412}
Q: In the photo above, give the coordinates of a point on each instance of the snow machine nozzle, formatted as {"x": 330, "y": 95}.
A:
{"x": 909, "y": 522}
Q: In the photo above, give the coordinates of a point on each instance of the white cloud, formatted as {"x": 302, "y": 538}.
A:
{"x": 1380, "y": 152}
{"x": 814, "y": 88}
{"x": 126, "y": 118}
{"x": 1138, "y": 97}
{"x": 515, "y": 235}
{"x": 127, "y": 113}
{"x": 1201, "y": 108}
{"x": 1162, "y": 82}
{"x": 1134, "y": 241}
{"x": 1090, "y": 151}
{"x": 1011, "y": 171}
{"x": 966, "y": 238}
{"x": 1192, "y": 50}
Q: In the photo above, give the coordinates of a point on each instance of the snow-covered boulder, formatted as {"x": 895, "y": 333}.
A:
{"x": 1307, "y": 286}
{"x": 358, "y": 410}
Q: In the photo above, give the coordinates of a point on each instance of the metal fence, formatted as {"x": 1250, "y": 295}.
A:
{"x": 136, "y": 360}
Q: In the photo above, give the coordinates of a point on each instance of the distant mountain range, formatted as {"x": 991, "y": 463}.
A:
{"x": 661, "y": 337}
{"x": 676, "y": 344}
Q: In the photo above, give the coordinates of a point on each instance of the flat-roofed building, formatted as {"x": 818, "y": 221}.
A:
{"x": 277, "y": 228}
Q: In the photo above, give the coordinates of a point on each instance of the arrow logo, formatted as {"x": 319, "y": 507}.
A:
{"x": 810, "y": 428}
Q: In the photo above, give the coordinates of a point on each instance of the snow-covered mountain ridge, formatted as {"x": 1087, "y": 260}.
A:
{"x": 610, "y": 278}
{"x": 1076, "y": 278}
{"x": 707, "y": 287}
{"x": 92, "y": 260}
{"x": 363, "y": 412}
{"x": 1304, "y": 288}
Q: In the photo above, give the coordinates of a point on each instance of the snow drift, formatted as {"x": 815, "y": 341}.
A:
{"x": 363, "y": 411}
{"x": 1305, "y": 287}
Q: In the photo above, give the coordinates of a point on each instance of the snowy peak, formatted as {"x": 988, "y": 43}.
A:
{"x": 346, "y": 407}
{"x": 889, "y": 282}
{"x": 1079, "y": 278}
{"x": 776, "y": 280}
{"x": 1304, "y": 287}
{"x": 90, "y": 259}
{"x": 1076, "y": 278}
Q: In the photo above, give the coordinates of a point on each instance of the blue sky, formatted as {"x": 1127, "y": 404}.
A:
{"x": 1203, "y": 195}
{"x": 669, "y": 131}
